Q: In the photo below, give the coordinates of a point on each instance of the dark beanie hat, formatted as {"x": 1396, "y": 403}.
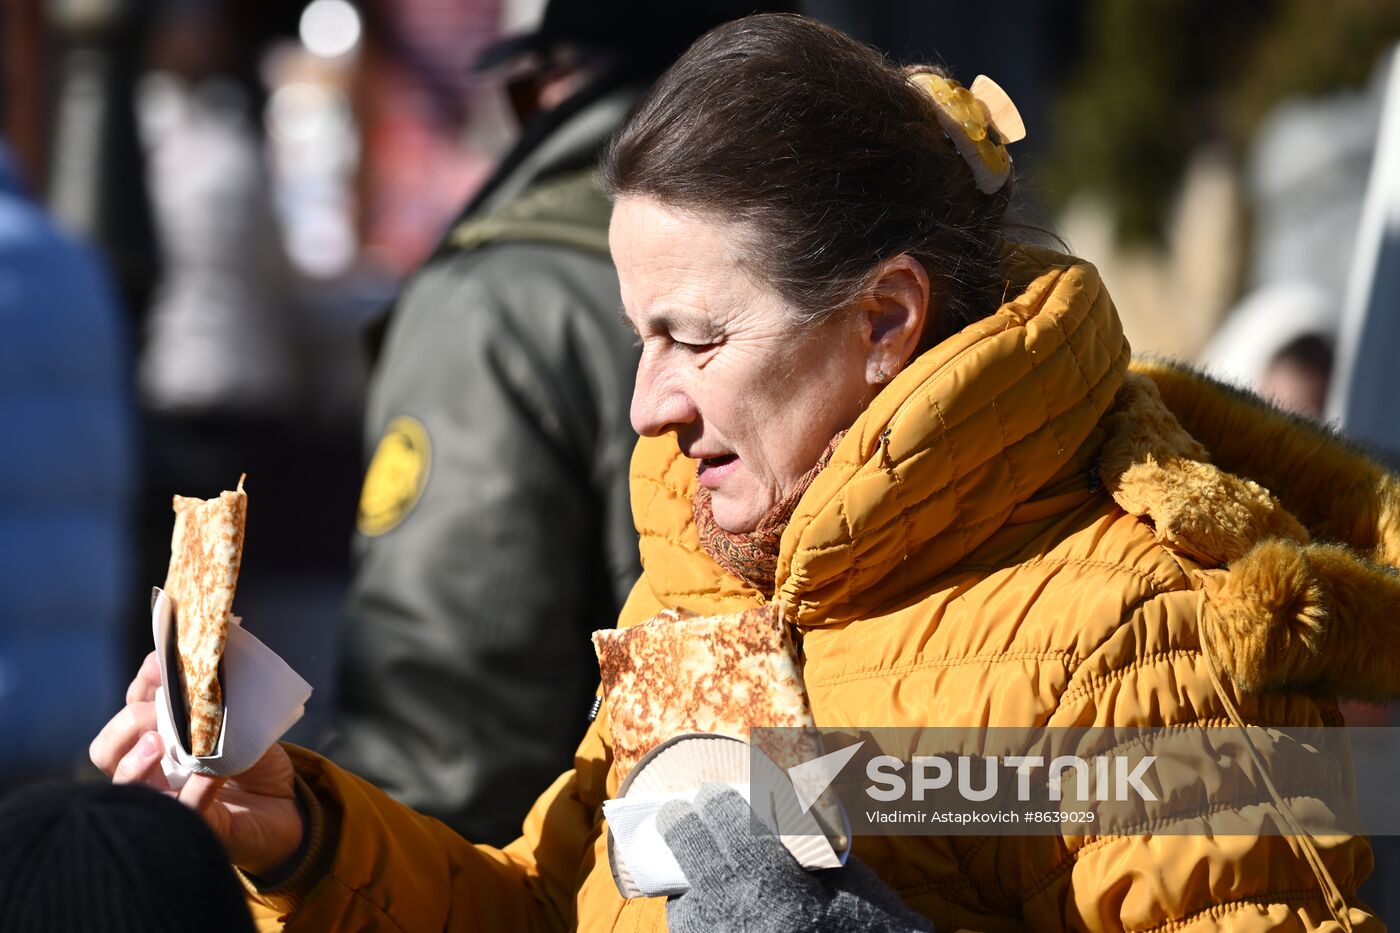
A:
{"x": 113, "y": 858}
{"x": 646, "y": 34}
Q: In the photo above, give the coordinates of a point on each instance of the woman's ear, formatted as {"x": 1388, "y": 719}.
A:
{"x": 895, "y": 309}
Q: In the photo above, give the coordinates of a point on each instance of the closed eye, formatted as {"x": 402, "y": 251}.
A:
{"x": 661, "y": 325}
{"x": 693, "y": 347}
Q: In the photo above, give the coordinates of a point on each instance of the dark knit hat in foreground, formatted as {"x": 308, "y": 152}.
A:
{"x": 112, "y": 858}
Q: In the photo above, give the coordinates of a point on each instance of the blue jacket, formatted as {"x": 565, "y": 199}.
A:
{"x": 66, "y": 489}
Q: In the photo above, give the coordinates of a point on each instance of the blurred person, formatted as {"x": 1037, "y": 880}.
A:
{"x": 219, "y": 336}
{"x": 429, "y": 127}
{"x": 925, "y": 445}
{"x": 498, "y": 439}
{"x": 1305, "y": 177}
{"x": 1278, "y": 342}
{"x": 91, "y": 170}
{"x": 119, "y": 858}
{"x": 1297, "y": 378}
{"x": 217, "y": 372}
{"x": 66, "y": 487}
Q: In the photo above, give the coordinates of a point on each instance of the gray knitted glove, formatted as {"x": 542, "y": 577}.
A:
{"x": 743, "y": 880}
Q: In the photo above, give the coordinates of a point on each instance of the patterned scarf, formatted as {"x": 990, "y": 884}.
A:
{"x": 752, "y": 556}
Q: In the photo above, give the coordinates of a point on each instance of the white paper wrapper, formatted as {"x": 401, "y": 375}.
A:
{"x": 642, "y": 863}
{"x": 263, "y": 698}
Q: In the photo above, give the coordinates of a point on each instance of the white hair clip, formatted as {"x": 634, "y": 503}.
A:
{"x": 980, "y": 121}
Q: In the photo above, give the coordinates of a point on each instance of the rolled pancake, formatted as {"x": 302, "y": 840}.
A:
{"x": 205, "y": 553}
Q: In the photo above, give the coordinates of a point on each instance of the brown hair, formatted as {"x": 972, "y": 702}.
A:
{"x": 828, "y": 154}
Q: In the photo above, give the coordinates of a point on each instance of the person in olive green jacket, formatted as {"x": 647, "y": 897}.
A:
{"x": 498, "y": 437}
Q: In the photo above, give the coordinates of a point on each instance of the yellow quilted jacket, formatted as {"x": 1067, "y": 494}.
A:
{"x": 1020, "y": 530}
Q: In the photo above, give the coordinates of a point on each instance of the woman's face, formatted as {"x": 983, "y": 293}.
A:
{"x": 751, "y": 396}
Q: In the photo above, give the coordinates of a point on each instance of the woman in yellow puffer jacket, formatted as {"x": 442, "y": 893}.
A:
{"x": 931, "y": 450}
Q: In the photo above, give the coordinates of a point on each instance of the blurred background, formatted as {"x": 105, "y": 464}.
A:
{"x": 204, "y": 203}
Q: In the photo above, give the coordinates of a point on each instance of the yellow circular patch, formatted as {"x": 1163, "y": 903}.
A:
{"x": 397, "y": 473}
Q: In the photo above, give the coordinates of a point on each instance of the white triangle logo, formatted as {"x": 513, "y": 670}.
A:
{"x": 811, "y": 778}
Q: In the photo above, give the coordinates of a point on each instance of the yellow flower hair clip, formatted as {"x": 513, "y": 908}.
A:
{"x": 980, "y": 121}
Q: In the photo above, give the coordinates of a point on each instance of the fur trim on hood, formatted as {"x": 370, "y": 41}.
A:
{"x": 1305, "y": 527}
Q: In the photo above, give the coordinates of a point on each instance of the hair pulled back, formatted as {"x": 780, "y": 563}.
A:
{"x": 831, "y": 158}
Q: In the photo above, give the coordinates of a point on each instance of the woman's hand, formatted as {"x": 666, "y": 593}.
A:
{"x": 254, "y": 815}
{"x": 746, "y": 880}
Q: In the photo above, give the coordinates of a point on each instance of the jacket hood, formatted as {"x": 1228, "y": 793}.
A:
{"x": 1305, "y": 526}
{"x": 970, "y": 430}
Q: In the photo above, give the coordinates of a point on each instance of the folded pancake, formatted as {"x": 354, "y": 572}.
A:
{"x": 205, "y": 552}
{"x": 676, "y": 674}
